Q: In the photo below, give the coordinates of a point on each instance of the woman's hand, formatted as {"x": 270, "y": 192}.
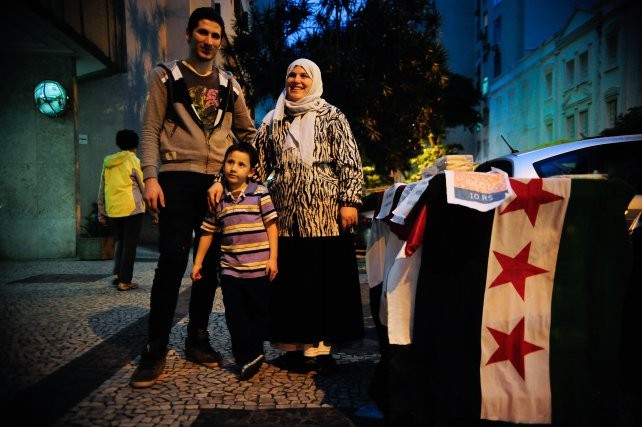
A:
{"x": 348, "y": 217}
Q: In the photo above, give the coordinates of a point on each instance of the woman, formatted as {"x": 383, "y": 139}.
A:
{"x": 316, "y": 188}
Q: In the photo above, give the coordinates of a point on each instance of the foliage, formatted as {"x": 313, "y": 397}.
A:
{"x": 262, "y": 49}
{"x": 382, "y": 65}
{"x": 92, "y": 226}
{"x": 459, "y": 103}
{"x": 373, "y": 179}
{"x": 385, "y": 70}
{"x": 626, "y": 124}
{"x": 428, "y": 156}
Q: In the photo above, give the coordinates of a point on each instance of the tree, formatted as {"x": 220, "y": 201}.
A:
{"x": 382, "y": 65}
{"x": 459, "y": 103}
{"x": 626, "y": 124}
{"x": 386, "y": 71}
{"x": 262, "y": 47}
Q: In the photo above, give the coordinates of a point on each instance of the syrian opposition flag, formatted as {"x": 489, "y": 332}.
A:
{"x": 516, "y": 320}
{"x": 518, "y": 310}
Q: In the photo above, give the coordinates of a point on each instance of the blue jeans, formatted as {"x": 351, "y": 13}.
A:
{"x": 180, "y": 220}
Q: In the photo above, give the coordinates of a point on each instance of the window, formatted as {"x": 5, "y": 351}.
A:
{"x": 570, "y": 73}
{"x": 584, "y": 123}
{"x": 548, "y": 84}
{"x": 497, "y": 63}
{"x": 497, "y": 30}
{"x": 570, "y": 126}
{"x": 611, "y": 112}
{"x": 549, "y": 130}
{"x": 615, "y": 160}
{"x": 612, "y": 46}
{"x": 584, "y": 66}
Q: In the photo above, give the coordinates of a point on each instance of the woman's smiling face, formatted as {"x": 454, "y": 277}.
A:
{"x": 298, "y": 84}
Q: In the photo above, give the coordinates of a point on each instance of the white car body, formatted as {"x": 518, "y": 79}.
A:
{"x": 612, "y": 156}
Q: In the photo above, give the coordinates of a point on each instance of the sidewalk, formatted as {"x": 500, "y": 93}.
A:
{"x": 71, "y": 342}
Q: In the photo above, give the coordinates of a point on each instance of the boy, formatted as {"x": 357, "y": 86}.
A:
{"x": 247, "y": 220}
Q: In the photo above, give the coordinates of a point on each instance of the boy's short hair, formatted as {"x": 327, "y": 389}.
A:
{"x": 246, "y": 148}
{"x": 204, "y": 13}
{"x": 126, "y": 139}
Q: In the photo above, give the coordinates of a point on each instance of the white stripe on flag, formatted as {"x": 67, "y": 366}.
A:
{"x": 515, "y": 330}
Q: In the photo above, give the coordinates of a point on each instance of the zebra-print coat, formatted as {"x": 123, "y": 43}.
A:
{"x": 310, "y": 196}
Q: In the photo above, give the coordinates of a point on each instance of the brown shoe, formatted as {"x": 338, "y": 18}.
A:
{"x": 149, "y": 369}
{"x": 199, "y": 350}
{"x": 127, "y": 286}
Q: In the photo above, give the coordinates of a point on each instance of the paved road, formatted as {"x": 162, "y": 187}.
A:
{"x": 71, "y": 341}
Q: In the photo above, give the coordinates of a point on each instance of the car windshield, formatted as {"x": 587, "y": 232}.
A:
{"x": 615, "y": 160}
{"x": 564, "y": 164}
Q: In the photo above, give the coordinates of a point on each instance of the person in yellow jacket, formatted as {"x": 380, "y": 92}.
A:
{"x": 120, "y": 198}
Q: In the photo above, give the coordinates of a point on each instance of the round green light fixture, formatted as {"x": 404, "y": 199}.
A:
{"x": 51, "y": 98}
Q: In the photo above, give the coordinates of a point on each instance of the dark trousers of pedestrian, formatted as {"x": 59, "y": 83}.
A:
{"x": 179, "y": 231}
{"x": 246, "y": 313}
{"x": 127, "y": 230}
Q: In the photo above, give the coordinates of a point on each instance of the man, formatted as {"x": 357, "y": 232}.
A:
{"x": 194, "y": 110}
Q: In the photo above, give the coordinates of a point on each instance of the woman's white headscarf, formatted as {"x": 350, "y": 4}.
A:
{"x": 304, "y": 111}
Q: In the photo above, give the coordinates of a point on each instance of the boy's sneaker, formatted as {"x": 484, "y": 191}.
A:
{"x": 251, "y": 368}
{"x": 148, "y": 370}
{"x": 199, "y": 350}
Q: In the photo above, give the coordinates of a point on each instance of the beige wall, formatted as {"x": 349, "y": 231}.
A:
{"x": 38, "y": 163}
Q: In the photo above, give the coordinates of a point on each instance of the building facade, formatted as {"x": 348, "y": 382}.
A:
{"x": 101, "y": 52}
{"x": 545, "y": 80}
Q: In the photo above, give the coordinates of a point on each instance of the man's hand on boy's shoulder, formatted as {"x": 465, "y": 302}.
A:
{"x": 214, "y": 194}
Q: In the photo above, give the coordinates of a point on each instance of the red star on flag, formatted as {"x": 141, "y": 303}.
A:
{"x": 512, "y": 347}
{"x": 529, "y": 196}
{"x": 516, "y": 270}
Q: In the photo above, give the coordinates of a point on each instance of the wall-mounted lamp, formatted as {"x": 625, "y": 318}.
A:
{"x": 51, "y": 98}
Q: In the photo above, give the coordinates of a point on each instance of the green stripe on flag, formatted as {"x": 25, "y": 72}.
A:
{"x": 593, "y": 268}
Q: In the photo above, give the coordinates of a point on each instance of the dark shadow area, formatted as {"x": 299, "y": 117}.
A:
{"x": 49, "y": 399}
{"x": 61, "y": 278}
{"x": 326, "y": 417}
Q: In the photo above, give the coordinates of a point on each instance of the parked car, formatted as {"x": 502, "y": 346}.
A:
{"x": 615, "y": 156}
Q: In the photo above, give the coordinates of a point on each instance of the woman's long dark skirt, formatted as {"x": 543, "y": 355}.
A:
{"x": 316, "y": 295}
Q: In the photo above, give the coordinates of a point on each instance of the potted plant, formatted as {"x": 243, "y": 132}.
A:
{"x": 96, "y": 241}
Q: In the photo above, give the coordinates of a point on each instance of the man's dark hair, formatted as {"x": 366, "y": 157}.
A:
{"x": 243, "y": 147}
{"x": 126, "y": 139}
{"x": 204, "y": 13}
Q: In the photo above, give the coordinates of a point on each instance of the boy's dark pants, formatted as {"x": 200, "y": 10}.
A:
{"x": 246, "y": 313}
